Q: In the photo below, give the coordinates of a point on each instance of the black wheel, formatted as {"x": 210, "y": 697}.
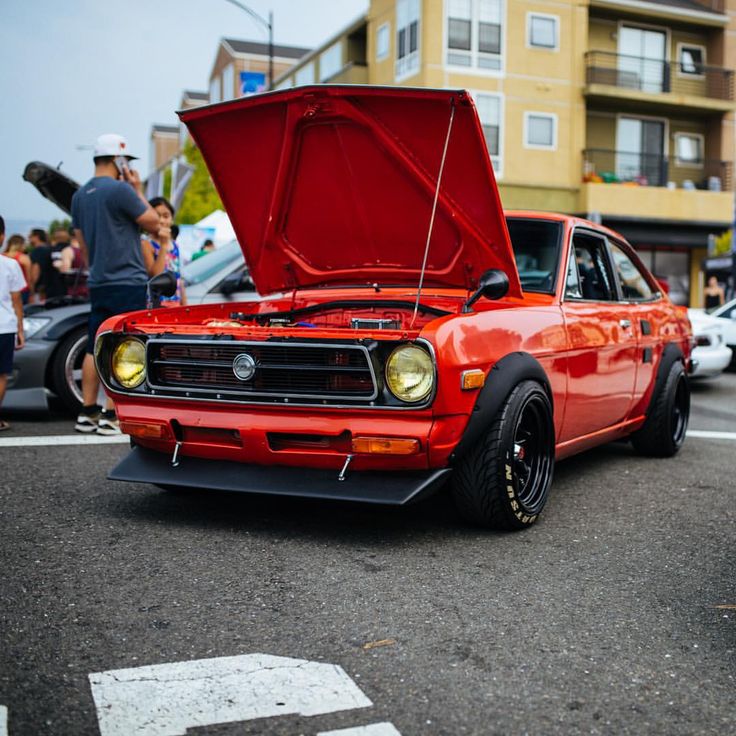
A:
{"x": 503, "y": 482}
{"x": 664, "y": 430}
{"x": 66, "y": 368}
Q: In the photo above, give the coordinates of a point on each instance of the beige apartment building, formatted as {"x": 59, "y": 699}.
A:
{"x": 618, "y": 110}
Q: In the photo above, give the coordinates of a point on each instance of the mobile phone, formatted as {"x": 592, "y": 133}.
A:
{"x": 120, "y": 162}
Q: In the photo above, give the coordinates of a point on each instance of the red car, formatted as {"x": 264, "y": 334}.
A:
{"x": 411, "y": 335}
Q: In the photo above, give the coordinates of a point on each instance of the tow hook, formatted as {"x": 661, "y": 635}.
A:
{"x": 175, "y": 456}
{"x": 343, "y": 472}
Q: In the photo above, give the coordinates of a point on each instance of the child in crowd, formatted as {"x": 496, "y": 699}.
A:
{"x": 16, "y": 251}
{"x": 163, "y": 254}
{"x": 11, "y": 317}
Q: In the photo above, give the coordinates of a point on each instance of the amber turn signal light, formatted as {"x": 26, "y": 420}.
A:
{"x": 145, "y": 431}
{"x": 385, "y": 446}
{"x": 472, "y": 379}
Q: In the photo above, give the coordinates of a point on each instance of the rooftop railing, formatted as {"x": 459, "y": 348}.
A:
{"x": 655, "y": 76}
{"x": 655, "y": 170}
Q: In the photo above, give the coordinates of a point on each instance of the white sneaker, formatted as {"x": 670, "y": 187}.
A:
{"x": 108, "y": 424}
{"x": 87, "y": 423}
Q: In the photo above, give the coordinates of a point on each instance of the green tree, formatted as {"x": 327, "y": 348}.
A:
{"x": 200, "y": 198}
{"x": 63, "y": 224}
{"x": 723, "y": 244}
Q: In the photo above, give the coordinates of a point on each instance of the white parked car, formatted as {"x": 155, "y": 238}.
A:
{"x": 710, "y": 356}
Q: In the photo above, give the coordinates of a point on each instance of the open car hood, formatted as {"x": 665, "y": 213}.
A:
{"x": 335, "y": 185}
{"x": 52, "y": 183}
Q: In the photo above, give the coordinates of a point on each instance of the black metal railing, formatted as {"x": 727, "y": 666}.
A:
{"x": 655, "y": 170}
{"x": 709, "y": 6}
{"x": 657, "y": 76}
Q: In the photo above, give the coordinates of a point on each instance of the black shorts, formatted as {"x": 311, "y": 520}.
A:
{"x": 107, "y": 301}
{"x": 7, "y": 348}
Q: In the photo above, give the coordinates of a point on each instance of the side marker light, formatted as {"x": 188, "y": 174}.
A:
{"x": 472, "y": 379}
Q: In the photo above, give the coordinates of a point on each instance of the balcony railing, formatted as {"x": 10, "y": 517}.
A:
{"x": 655, "y": 170}
{"x": 656, "y": 76}
{"x": 709, "y": 6}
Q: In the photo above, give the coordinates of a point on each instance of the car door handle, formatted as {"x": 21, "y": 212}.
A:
{"x": 625, "y": 323}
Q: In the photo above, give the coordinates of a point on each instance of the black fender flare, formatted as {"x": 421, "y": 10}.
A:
{"x": 500, "y": 381}
{"x": 671, "y": 353}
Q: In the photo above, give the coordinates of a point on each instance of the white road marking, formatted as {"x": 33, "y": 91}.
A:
{"x": 168, "y": 699}
{"x": 374, "y": 729}
{"x": 706, "y": 435}
{"x": 3, "y": 720}
{"x": 64, "y": 439}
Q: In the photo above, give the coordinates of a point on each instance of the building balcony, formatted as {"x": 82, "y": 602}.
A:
{"x": 633, "y": 81}
{"x": 706, "y": 13}
{"x": 354, "y": 72}
{"x": 652, "y": 187}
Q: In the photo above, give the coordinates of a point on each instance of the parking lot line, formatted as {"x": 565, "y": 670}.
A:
{"x": 3, "y": 720}
{"x": 706, "y": 435}
{"x": 64, "y": 439}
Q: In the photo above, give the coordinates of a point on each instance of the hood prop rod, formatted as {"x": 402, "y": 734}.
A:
{"x": 434, "y": 210}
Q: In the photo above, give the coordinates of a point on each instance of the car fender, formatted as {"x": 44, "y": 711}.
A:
{"x": 506, "y": 373}
{"x": 670, "y": 353}
{"x": 63, "y": 327}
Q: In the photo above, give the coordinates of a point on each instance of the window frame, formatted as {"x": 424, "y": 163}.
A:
{"x": 497, "y": 170}
{"x": 228, "y": 80}
{"x": 410, "y": 64}
{"x": 590, "y": 233}
{"x": 386, "y": 28}
{"x": 684, "y": 163}
{"x": 216, "y": 83}
{"x": 544, "y": 16}
{"x": 681, "y": 46}
{"x": 540, "y": 146}
{"x": 473, "y": 69}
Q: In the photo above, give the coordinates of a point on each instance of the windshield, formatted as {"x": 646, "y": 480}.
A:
{"x": 536, "y": 245}
{"x": 206, "y": 266}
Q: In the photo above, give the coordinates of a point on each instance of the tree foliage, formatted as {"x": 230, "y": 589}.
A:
{"x": 63, "y": 224}
{"x": 200, "y": 197}
{"x": 723, "y": 244}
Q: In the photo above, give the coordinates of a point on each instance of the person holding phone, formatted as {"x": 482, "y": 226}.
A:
{"x": 107, "y": 215}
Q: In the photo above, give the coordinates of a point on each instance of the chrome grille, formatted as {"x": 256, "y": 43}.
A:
{"x": 282, "y": 370}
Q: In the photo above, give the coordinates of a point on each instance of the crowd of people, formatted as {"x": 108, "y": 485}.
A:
{"x": 101, "y": 257}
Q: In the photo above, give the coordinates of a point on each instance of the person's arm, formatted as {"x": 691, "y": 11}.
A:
{"x": 67, "y": 259}
{"x": 155, "y": 262}
{"x": 20, "y": 339}
{"x": 149, "y": 219}
{"x": 82, "y": 247}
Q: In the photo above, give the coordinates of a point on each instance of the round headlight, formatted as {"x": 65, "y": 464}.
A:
{"x": 409, "y": 373}
{"x": 129, "y": 363}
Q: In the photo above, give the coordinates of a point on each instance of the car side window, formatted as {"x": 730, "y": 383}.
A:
{"x": 590, "y": 262}
{"x": 634, "y": 286}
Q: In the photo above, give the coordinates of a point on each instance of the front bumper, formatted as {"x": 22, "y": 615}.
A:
{"x": 27, "y": 383}
{"x": 396, "y": 488}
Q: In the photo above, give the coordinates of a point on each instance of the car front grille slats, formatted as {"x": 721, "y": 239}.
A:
{"x": 289, "y": 371}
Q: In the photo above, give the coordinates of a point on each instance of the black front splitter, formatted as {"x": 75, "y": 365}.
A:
{"x": 392, "y": 488}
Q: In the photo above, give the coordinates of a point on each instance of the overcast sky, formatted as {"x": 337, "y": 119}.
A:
{"x": 72, "y": 69}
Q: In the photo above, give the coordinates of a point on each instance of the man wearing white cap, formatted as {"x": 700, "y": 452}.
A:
{"x": 107, "y": 214}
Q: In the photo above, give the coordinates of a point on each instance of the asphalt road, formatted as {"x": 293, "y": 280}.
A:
{"x": 615, "y": 614}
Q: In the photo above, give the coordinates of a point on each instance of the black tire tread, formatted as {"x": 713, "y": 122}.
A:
{"x": 654, "y": 439}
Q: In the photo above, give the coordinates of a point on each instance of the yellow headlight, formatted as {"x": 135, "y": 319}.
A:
{"x": 129, "y": 363}
{"x": 409, "y": 373}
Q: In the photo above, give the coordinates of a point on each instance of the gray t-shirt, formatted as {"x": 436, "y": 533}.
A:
{"x": 105, "y": 210}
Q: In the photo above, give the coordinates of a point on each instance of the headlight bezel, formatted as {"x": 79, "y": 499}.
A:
{"x": 429, "y": 380}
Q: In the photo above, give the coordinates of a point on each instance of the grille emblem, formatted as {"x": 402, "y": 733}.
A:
{"x": 244, "y": 367}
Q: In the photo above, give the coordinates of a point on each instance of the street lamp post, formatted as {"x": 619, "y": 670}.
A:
{"x": 268, "y": 24}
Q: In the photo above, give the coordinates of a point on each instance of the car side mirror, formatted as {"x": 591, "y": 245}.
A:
{"x": 163, "y": 285}
{"x": 493, "y": 284}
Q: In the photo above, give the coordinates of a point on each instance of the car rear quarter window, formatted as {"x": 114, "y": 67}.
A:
{"x": 536, "y": 245}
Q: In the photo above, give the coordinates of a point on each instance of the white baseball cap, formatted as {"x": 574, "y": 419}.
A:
{"x": 112, "y": 144}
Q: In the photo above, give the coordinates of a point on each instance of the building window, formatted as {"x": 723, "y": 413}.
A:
{"x": 490, "y": 112}
{"x": 285, "y": 83}
{"x": 540, "y": 130}
{"x": 228, "y": 82}
{"x": 305, "y": 75}
{"x": 215, "y": 90}
{"x": 542, "y": 31}
{"x": 382, "y": 40}
{"x": 474, "y": 30}
{"x": 330, "y": 62}
{"x": 690, "y": 60}
{"x": 407, "y": 37}
{"x": 689, "y": 149}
